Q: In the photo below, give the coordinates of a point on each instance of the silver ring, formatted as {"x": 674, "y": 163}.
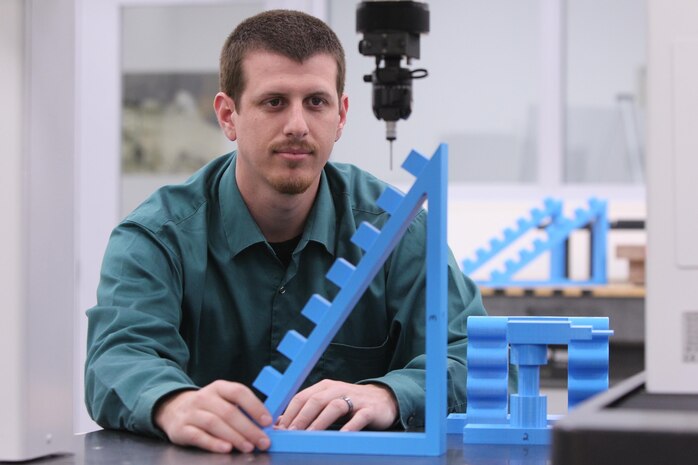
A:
{"x": 350, "y": 404}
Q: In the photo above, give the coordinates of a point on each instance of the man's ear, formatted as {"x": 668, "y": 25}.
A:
{"x": 224, "y": 107}
{"x": 343, "y": 108}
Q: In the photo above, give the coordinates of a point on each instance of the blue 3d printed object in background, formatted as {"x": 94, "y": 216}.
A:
{"x": 557, "y": 229}
{"x": 328, "y": 317}
{"x": 493, "y": 342}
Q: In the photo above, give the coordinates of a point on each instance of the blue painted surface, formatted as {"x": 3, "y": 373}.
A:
{"x": 431, "y": 184}
{"x": 558, "y": 229}
{"x": 494, "y": 417}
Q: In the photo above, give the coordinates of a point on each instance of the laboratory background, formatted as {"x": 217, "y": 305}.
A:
{"x": 543, "y": 105}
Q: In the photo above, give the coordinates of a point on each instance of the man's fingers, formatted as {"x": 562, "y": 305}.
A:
{"x": 244, "y": 398}
{"x": 225, "y": 420}
{"x": 193, "y": 436}
{"x": 294, "y": 407}
{"x": 359, "y": 421}
{"x": 230, "y": 430}
{"x": 336, "y": 409}
{"x": 290, "y": 413}
{"x": 318, "y": 407}
{"x": 215, "y": 418}
{"x": 251, "y": 432}
{"x": 311, "y": 409}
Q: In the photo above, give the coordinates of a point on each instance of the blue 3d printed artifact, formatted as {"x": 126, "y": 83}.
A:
{"x": 494, "y": 342}
{"x": 557, "y": 229}
{"x": 328, "y": 317}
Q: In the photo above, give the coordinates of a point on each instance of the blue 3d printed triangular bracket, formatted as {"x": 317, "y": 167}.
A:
{"x": 431, "y": 184}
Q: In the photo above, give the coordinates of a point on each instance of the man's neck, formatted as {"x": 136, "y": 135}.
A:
{"x": 280, "y": 217}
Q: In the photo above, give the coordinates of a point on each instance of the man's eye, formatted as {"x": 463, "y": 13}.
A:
{"x": 317, "y": 101}
{"x": 275, "y": 102}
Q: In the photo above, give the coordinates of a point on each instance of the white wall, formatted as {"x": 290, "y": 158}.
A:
{"x": 484, "y": 92}
{"x": 604, "y": 55}
{"x": 11, "y": 270}
{"x": 98, "y": 142}
{"x": 482, "y": 59}
{"x": 671, "y": 352}
{"x": 37, "y": 159}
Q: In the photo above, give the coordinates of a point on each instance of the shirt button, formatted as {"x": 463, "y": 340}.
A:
{"x": 282, "y": 290}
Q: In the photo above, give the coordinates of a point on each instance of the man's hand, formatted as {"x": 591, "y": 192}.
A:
{"x": 215, "y": 418}
{"x": 319, "y": 406}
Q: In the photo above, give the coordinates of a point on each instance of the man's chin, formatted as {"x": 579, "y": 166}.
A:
{"x": 292, "y": 186}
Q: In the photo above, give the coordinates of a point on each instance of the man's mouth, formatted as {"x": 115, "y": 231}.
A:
{"x": 293, "y": 150}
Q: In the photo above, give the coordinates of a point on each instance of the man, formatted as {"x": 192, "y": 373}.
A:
{"x": 200, "y": 283}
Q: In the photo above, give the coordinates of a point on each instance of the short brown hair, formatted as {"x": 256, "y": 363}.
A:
{"x": 293, "y": 34}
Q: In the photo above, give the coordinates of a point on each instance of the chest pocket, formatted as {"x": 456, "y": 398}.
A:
{"x": 363, "y": 348}
{"x": 350, "y": 364}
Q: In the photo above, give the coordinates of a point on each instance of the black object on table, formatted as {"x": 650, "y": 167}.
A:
{"x": 629, "y": 425}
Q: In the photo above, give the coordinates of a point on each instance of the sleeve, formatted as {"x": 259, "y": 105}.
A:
{"x": 135, "y": 353}
{"x": 406, "y": 292}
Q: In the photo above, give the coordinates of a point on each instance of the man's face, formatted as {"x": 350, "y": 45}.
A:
{"x": 286, "y": 121}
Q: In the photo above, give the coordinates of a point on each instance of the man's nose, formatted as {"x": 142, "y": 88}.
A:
{"x": 296, "y": 125}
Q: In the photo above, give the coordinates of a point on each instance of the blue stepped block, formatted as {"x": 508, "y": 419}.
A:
{"x": 537, "y": 216}
{"x": 352, "y": 280}
{"x": 557, "y": 230}
{"x": 496, "y": 341}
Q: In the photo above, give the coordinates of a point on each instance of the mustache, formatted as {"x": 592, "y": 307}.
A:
{"x": 300, "y": 146}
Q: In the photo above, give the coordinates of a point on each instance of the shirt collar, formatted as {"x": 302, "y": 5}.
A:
{"x": 322, "y": 221}
{"x": 241, "y": 230}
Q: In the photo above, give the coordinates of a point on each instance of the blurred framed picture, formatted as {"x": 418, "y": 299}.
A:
{"x": 168, "y": 122}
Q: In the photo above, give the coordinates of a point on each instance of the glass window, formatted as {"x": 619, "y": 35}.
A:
{"x": 483, "y": 93}
{"x": 169, "y": 79}
{"x": 606, "y": 67}
{"x": 480, "y": 95}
